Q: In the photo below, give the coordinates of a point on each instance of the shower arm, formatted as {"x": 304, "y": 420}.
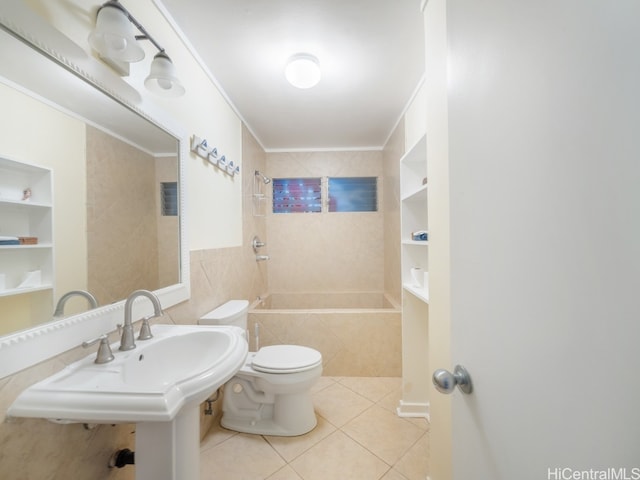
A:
{"x": 262, "y": 177}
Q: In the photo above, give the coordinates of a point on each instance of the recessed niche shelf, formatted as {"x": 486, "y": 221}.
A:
{"x": 26, "y": 209}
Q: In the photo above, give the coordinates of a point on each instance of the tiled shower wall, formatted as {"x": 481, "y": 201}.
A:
{"x": 326, "y": 252}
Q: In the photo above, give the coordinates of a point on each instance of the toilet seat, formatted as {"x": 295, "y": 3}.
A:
{"x": 285, "y": 359}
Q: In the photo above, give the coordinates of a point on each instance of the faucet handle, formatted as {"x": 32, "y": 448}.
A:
{"x": 105, "y": 354}
{"x": 145, "y": 330}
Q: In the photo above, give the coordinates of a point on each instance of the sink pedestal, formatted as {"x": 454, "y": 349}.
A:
{"x": 169, "y": 450}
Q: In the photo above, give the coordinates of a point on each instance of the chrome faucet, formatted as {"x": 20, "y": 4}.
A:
{"x": 59, "y": 311}
{"x": 127, "y": 341}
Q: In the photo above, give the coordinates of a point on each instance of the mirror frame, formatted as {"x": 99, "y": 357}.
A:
{"x": 28, "y": 347}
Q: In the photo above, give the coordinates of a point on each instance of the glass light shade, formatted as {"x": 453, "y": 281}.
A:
{"x": 303, "y": 70}
{"x": 114, "y": 36}
{"x": 162, "y": 79}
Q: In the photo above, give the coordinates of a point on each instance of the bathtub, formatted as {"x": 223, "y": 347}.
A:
{"x": 359, "y": 334}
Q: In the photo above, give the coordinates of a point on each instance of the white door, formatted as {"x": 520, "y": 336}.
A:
{"x": 544, "y": 165}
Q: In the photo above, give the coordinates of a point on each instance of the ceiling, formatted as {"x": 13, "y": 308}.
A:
{"x": 371, "y": 54}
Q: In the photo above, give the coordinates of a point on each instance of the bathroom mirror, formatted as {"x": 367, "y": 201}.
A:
{"x": 41, "y": 65}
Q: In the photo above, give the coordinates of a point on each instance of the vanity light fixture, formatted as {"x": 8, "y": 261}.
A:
{"x": 162, "y": 79}
{"x": 303, "y": 70}
{"x": 115, "y": 39}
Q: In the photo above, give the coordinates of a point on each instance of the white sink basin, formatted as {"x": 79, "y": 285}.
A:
{"x": 181, "y": 365}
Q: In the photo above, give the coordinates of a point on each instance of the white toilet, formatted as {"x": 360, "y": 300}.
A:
{"x": 270, "y": 395}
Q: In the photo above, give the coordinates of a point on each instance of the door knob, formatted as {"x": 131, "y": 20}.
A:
{"x": 445, "y": 381}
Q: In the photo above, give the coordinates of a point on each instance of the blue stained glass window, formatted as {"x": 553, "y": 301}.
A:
{"x": 353, "y": 194}
{"x": 293, "y": 195}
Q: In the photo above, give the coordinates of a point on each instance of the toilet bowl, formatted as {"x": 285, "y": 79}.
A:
{"x": 270, "y": 394}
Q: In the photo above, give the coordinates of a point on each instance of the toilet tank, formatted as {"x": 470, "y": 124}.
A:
{"x": 234, "y": 312}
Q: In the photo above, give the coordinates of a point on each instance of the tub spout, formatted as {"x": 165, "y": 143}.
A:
{"x": 262, "y": 258}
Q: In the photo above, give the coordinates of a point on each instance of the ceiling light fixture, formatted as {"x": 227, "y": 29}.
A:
{"x": 115, "y": 39}
{"x": 303, "y": 70}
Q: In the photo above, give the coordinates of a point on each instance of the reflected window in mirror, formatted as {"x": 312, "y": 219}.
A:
{"x": 169, "y": 198}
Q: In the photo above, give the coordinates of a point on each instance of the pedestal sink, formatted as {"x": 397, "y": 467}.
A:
{"x": 159, "y": 386}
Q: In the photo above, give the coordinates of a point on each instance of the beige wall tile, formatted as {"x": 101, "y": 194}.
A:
{"x": 122, "y": 244}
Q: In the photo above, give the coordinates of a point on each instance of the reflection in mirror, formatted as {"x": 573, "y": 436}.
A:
{"x": 123, "y": 241}
{"x": 109, "y": 166}
{"x": 131, "y": 244}
{"x": 62, "y": 301}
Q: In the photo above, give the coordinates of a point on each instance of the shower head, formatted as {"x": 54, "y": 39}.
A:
{"x": 262, "y": 177}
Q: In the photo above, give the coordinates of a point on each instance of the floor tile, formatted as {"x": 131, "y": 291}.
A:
{"x": 322, "y": 383}
{"x": 383, "y": 433}
{"x": 291, "y": 447}
{"x": 415, "y": 463}
{"x": 338, "y": 404}
{"x": 393, "y": 474}
{"x": 241, "y": 457}
{"x": 215, "y": 436}
{"x": 338, "y": 456}
{"x": 372, "y": 388}
{"x": 391, "y": 401}
{"x": 285, "y": 473}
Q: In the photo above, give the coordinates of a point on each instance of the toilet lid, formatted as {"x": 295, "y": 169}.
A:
{"x": 286, "y": 359}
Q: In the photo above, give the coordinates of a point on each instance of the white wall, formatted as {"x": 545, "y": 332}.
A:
{"x": 415, "y": 118}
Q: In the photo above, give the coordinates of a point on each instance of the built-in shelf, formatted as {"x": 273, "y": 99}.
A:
{"x": 419, "y": 243}
{"x": 415, "y": 298}
{"x": 26, "y": 210}
{"x": 19, "y": 291}
{"x": 413, "y": 210}
{"x": 419, "y": 292}
{"x": 417, "y": 195}
{"x": 43, "y": 246}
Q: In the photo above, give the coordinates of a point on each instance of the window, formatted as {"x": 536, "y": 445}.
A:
{"x": 297, "y": 195}
{"x": 345, "y": 194}
{"x": 169, "y": 198}
{"x": 353, "y": 194}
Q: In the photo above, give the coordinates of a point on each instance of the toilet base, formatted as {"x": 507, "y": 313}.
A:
{"x": 263, "y": 427}
{"x": 248, "y": 410}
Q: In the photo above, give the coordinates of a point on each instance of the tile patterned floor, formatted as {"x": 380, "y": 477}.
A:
{"x": 358, "y": 437}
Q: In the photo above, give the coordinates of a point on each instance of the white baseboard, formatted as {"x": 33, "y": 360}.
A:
{"x": 413, "y": 410}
